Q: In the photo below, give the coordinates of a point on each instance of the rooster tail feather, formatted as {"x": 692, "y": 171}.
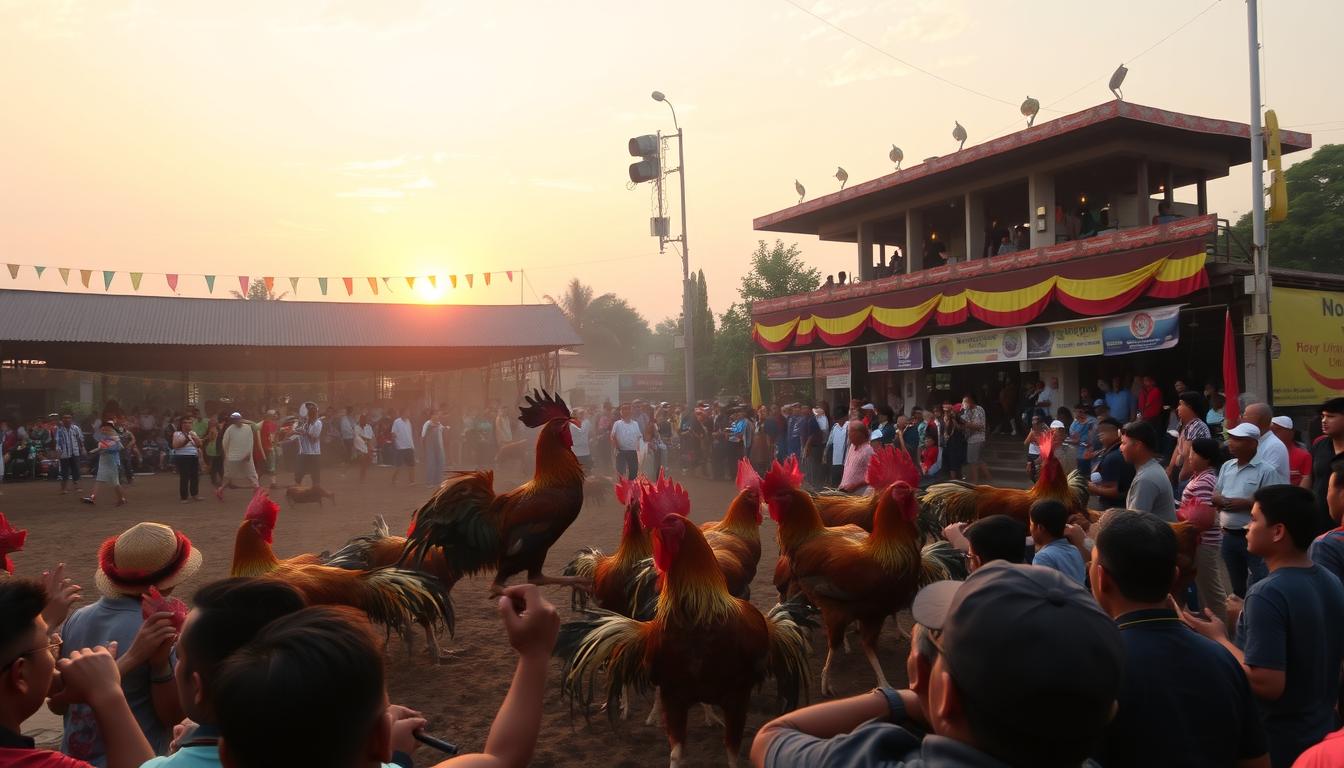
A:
{"x": 380, "y": 529}
{"x": 354, "y": 556}
{"x": 458, "y": 518}
{"x": 584, "y": 565}
{"x": 940, "y": 561}
{"x": 787, "y": 662}
{"x": 1078, "y": 487}
{"x": 602, "y": 641}
{"x": 399, "y": 598}
{"x": 643, "y": 589}
{"x": 951, "y": 502}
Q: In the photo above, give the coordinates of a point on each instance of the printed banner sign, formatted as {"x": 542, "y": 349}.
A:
{"x": 838, "y": 381}
{"x": 1076, "y": 339}
{"x": 780, "y": 367}
{"x": 896, "y": 356}
{"x": 1307, "y": 351}
{"x": 1141, "y": 331}
{"x": 832, "y": 362}
{"x": 1124, "y": 334}
{"x": 994, "y": 346}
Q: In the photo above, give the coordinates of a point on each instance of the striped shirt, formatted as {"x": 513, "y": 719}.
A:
{"x": 1200, "y": 491}
{"x": 310, "y": 438}
{"x": 69, "y": 441}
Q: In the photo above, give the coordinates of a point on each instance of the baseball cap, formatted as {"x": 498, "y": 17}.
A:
{"x": 1027, "y": 643}
{"x": 1282, "y": 421}
{"x": 1057, "y": 424}
{"x": 868, "y": 407}
{"x": 1098, "y": 403}
{"x": 1245, "y": 429}
{"x": 235, "y": 416}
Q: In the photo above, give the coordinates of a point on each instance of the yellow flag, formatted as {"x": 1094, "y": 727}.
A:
{"x": 755, "y": 385}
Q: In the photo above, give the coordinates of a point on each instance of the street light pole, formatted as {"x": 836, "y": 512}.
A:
{"x": 687, "y": 304}
{"x": 1257, "y": 352}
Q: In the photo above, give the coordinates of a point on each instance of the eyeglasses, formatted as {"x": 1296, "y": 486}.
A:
{"x": 53, "y": 647}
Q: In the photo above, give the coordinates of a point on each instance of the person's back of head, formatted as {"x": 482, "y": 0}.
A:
{"x": 227, "y": 615}
{"x": 1050, "y": 516}
{"x": 21, "y": 602}
{"x": 308, "y": 690}
{"x": 1292, "y": 507}
{"x": 997, "y": 537}
{"x": 1137, "y": 552}
{"x": 1141, "y": 433}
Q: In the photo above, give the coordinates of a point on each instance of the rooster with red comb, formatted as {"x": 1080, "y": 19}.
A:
{"x": 958, "y": 501}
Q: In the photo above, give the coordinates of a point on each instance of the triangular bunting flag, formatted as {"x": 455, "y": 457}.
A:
{"x": 270, "y": 283}
{"x": 242, "y": 284}
{"x": 65, "y": 274}
{"x": 469, "y": 281}
{"x": 510, "y": 274}
{"x": 434, "y": 281}
{"x": 322, "y": 285}
{"x": 13, "y": 271}
{"x": 453, "y": 279}
{"x": 410, "y": 282}
{"x": 373, "y": 285}
{"x": 39, "y": 271}
{"x": 84, "y": 275}
{"x": 487, "y": 278}
{"x": 135, "y": 279}
{"x": 172, "y": 282}
{"x": 349, "y": 285}
{"x": 107, "y": 278}
{"x": 294, "y": 285}
{"x": 210, "y": 283}
{"x": 387, "y": 283}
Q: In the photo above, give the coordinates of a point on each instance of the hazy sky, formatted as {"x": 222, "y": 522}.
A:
{"x": 391, "y": 137}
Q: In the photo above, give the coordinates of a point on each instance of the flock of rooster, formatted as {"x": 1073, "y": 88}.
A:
{"x": 669, "y": 609}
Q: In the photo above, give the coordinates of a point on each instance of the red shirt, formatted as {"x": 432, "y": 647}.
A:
{"x": 1327, "y": 754}
{"x": 927, "y": 457}
{"x": 38, "y": 758}
{"x": 1150, "y": 403}
{"x": 1299, "y": 464}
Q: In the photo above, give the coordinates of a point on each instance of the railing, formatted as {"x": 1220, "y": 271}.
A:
{"x": 1226, "y": 246}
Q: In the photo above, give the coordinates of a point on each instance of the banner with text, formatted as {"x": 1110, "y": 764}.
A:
{"x": 896, "y": 356}
{"x": 1307, "y": 352}
{"x": 1124, "y": 334}
{"x": 780, "y": 367}
{"x": 995, "y": 346}
{"x": 1141, "y": 331}
{"x": 832, "y": 362}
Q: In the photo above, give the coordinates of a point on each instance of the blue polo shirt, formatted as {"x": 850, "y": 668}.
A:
{"x": 1063, "y": 557}
{"x": 1294, "y": 622}
{"x": 1183, "y": 701}
{"x": 1327, "y": 551}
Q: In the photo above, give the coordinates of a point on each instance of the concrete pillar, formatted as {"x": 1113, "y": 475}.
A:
{"x": 1041, "y": 209}
{"x": 914, "y": 241}
{"x": 1202, "y": 195}
{"x": 864, "y": 270}
{"x": 1142, "y": 215}
{"x": 1169, "y": 186}
{"x": 974, "y": 206}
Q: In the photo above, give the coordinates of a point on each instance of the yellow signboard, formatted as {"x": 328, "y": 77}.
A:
{"x": 1308, "y": 346}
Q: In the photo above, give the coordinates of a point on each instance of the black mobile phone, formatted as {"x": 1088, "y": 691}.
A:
{"x": 439, "y": 744}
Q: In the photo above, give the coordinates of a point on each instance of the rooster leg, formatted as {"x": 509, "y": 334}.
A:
{"x": 735, "y": 721}
{"x": 835, "y": 638}
{"x": 437, "y": 653}
{"x": 657, "y": 711}
{"x": 826, "y": 689}
{"x": 711, "y": 718}
{"x": 676, "y": 730}
{"x": 869, "y": 629}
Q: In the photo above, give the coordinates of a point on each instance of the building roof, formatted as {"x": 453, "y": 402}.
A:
{"x": 1227, "y": 140}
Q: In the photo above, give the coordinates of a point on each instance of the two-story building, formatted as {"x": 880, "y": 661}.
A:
{"x": 1079, "y": 249}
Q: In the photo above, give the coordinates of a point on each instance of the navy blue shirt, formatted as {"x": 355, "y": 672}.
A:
{"x": 1114, "y": 469}
{"x": 1327, "y": 551}
{"x": 1294, "y": 622}
{"x": 795, "y": 436}
{"x": 1183, "y": 700}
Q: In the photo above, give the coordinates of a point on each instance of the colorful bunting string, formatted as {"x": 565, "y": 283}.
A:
{"x": 65, "y": 274}
{"x": 135, "y": 279}
{"x": 349, "y": 285}
{"x": 322, "y": 285}
{"x": 210, "y": 283}
{"x": 107, "y": 278}
{"x": 84, "y": 275}
{"x": 172, "y": 282}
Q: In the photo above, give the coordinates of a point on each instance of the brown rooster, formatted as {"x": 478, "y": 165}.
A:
{"x": 393, "y": 597}
{"x": 958, "y": 501}
{"x": 850, "y": 578}
{"x": 511, "y": 532}
{"x": 702, "y": 645}
{"x": 613, "y": 575}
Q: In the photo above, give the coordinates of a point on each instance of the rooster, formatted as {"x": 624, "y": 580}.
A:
{"x": 393, "y": 597}
{"x": 297, "y": 494}
{"x": 480, "y": 530}
{"x": 11, "y": 541}
{"x": 613, "y": 575}
{"x": 959, "y": 501}
{"x": 850, "y": 577}
{"x": 702, "y": 644}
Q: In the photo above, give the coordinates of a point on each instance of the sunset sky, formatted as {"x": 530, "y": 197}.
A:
{"x": 391, "y": 137}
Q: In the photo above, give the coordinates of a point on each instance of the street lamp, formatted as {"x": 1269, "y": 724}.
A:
{"x": 687, "y": 306}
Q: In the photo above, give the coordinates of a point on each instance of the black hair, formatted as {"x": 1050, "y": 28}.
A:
{"x": 1110, "y": 421}
{"x": 21, "y": 600}
{"x": 1194, "y": 401}
{"x": 1050, "y": 514}
{"x": 1210, "y": 450}
{"x": 887, "y": 411}
{"x": 1138, "y": 551}
{"x": 1142, "y": 432}
{"x": 1333, "y": 405}
{"x": 230, "y": 612}
{"x": 997, "y": 537}
{"x": 306, "y": 691}
{"x": 1292, "y": 507}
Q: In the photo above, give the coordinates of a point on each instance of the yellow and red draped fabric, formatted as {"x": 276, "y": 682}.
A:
{"x": 1099, "y": 287}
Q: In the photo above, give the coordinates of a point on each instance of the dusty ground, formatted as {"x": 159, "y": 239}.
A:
{"x": 460, "y": 696}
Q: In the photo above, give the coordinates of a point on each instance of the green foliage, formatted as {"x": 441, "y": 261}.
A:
{"x": 777, "y": 271}
{"x": 1312, "y": 238}
{"x": 615, "y": 336}
{"x": 733, "y": 351}
{"x": 257, "y": 291}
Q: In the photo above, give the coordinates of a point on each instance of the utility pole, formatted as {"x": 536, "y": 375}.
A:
{"x": 1256, "y": 330}
{"x": 687, "y": 301}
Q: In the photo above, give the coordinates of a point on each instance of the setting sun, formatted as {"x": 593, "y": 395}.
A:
{"x": 427, "y": 292}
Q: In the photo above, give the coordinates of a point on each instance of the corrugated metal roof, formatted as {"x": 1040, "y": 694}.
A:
{"x": 41, "y": 316}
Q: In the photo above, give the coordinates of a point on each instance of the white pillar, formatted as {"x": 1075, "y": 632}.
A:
{"x": 1041, "y": 209}
{"x": 914, "y": 241}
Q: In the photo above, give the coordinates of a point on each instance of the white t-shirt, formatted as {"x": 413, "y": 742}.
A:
{"x": 363, "y": 436}
{"x": 1274, "y": 454}
{"x": 401, "y": 434}
{"x": 580, "y": 435}
{"x": 626, "y": 434}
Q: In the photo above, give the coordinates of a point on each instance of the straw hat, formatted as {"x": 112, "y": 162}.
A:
{"x": 146, "y": 555}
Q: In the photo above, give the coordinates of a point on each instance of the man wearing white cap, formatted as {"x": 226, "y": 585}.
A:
{"x": 1272, "y": 450}
{"x": 1233, "y": 497}
{"x": 239, "y": 471}
{"x": 1299, "y": 459}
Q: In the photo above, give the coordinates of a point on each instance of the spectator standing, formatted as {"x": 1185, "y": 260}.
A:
{"x": 1118, "y": 399}
{"x": 954, "y": 451}
{"x": 884, "y": 431}
{"x": 1112, "y": 475}
{"x": 239, "y": 439}
{"x": 1233, "y": 496}
{"x": 362, "y": 444}
{"x": 1082, "y": 430}
{"x": 854, "y": 477}
{"x": 762, "y": 446}
{"x": 109, "y": 464}
{"x": 625, "y": 436}
{"x": 836, "y": 444}
{"x": 975, "y": 425}
{"x": 308, "y": 432}
{"x": 1272, "y": 451}
{"x": 1203, "y": 462}
{"x": 347, "y": 427}
{"x": 69, "y": 448}
{"x": 1150, "y": 491}
{"x": 436, "y": 456}
{"x": 1327, "y": 453}
{"x": 187, "y": 459}
{"x": 1150, "y": 405}
{"x": 1047, "y": 397}
{"x": 1210, "y": 718}
{"x": 403, "y": 447}
{"x": 580, "y": 433}
{"x": 1327, "y": 550}
{"x": 269, "y": 428}
{"x": 1291, "y": 630}
{"x": 794, "y": 430}
{"x": 1215, "y": 418}
{"x": 1299, "y": 460}
{"x": 1189, "y": 405}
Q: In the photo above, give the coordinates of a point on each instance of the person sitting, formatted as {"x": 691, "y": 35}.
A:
{"x": 994, "y": 537}
{"x": 309, "y": 690}
{"x": 1164, "y": 213}
{"x": 979, "y": 708}
{"x": 88, "y": 676}
{"x": 930, "y": 459}
{"x": 1210, "y": 718}
{"x": 1053, "y": 550}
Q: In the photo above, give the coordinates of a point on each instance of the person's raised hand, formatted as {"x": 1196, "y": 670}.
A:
{"x": 182, "y": 732}
{"x": 90, "y": 675}
{"x": 152, "y": 642}
{"x": 62, "y": 594}
{"x": 1204, "y": 623}
{"x": 530, "y": 621}
{"x": 405, "y": 722}
{"x": 956, "y": 536}
{"x": 1075, "y": 534}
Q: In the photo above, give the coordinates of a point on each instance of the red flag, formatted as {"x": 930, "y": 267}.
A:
{"x": 1231, "y": 387}
{"x": 270, "y": 283}
{"x": 510, "y": 274}
{"x": 349, "y": 285}
{"x": 242, "y": 284}
{"x": 469, "y": 281}
{"x": 172, "y": 282}
{"x": 487, "y": 278}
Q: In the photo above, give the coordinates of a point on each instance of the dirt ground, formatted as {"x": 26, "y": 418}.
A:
{"x": 461, "y": 695}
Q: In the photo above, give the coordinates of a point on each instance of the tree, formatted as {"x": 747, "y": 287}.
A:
{"x": 576, "y": 302}
{"x": 1312, "y": 237}
{"x": 257, "y": 291}
{"x": 777, "y": 271}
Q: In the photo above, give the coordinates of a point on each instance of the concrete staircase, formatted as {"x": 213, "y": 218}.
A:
{"x": 1006, "y": 457}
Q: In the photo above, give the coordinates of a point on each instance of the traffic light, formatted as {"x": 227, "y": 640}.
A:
{"x": 1278, "y": 188}
{"x": 648, "y": 168}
